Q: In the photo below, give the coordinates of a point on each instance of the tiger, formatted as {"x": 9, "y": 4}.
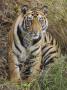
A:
{"x": 30, "y": 46}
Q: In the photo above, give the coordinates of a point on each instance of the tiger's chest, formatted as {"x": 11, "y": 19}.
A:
{"x": 31, "y": 67}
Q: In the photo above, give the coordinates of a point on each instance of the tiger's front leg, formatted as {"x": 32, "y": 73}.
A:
{"x": 14, "y": 72}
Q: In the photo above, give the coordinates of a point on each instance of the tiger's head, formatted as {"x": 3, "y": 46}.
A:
{"x": 34, "y": 23}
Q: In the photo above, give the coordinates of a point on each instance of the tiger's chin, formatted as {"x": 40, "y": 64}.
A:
{"x": 36, "y": 39}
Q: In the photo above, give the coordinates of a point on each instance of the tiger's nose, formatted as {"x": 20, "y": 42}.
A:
{"x": 35, "y": 34}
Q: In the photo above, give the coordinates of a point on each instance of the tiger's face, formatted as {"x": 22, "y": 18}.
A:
{"x": 34, "y": 24}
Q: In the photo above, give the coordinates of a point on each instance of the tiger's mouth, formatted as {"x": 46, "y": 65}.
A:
{"x": 35, "y": 35}
{"x": 31, "y": 39}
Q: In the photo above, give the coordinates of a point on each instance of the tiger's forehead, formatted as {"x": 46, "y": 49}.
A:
{"x": 34, "y": 12}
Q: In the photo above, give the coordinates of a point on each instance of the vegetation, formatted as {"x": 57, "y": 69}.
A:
{"x": 55, "y": 78}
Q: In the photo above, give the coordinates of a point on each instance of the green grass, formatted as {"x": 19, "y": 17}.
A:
{"x": 55, "y": 78}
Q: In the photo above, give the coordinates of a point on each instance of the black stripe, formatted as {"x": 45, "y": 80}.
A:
{"x": 17, "y": 47}
{"x": 35, "y": 50}
{"x": 52, "y": 41}
{"x": 49, "y": 55}
{"x": 19, "y": 35}
{"x": 53, "y": 52}
{"x": 45, "y": 39}
{"x": 46, "y": 51}
{"x": 36, "y": 40}
{"x": 44, "y": 46}
{"x": 48, "y": 62}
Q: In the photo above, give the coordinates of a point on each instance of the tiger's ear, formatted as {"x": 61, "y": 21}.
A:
{"x": 24, "y": 9}
{"x": 45, "y": 9}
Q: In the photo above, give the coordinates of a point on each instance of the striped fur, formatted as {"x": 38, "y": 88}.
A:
{"x": 30, "y": 46}
{"x": 50, "y": 49}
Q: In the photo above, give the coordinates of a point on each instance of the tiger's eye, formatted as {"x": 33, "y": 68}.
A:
{"x": 32, "y": 14}
{"x": 30, "y": 17}
{"x": 37, "y": 14}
